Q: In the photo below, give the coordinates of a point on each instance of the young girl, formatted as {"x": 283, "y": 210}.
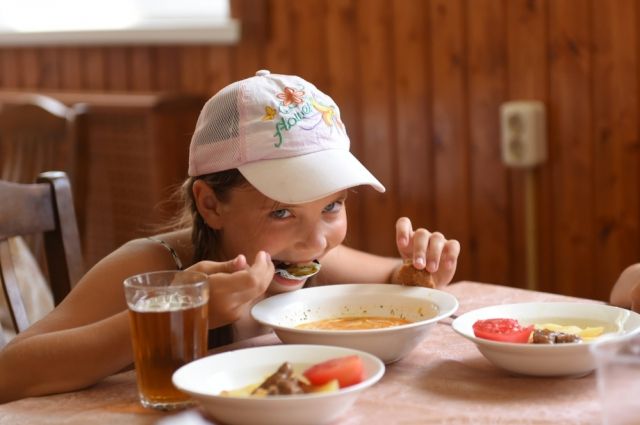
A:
{"x": 270, "y": 171}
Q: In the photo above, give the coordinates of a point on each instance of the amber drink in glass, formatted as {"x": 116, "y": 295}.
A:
{"x": 168, "y": 316}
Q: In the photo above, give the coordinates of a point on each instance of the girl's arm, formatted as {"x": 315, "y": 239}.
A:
{"x": 86, "y": 337}
{"x": 426, "y": 250}
{"x": 626, "y": 290}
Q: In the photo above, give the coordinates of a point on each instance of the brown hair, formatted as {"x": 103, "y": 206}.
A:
{"x": 205, "y": 239}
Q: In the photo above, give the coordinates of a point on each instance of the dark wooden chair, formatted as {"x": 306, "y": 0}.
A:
{"x": 38, "y": 133}
{"x": 44, "y": 207}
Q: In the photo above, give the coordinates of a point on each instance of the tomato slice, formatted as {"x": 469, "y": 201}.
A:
{"x": 348, "y": 370}
{"x": 505, "y": 330}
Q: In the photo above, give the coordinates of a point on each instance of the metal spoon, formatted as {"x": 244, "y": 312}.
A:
{"x": 314, "y": 269}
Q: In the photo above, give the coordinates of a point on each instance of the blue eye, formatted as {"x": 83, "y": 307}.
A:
{"x": 283, "y": 213}
{"x": 333, "y": 207}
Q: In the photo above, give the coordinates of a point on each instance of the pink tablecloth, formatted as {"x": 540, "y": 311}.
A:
{"x": 443, "y": 381}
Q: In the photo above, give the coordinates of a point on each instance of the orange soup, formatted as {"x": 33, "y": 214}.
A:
{"x": 354, "y": 323}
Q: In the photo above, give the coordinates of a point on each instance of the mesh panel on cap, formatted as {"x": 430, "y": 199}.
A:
{"x": 216, "y": 139}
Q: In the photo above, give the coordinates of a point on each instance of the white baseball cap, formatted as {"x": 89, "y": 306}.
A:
{"x": 283, "y": 134}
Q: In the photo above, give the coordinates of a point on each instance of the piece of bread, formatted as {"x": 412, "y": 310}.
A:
{"x": 409, "y": 275}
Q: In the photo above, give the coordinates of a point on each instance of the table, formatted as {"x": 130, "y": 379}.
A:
{"x": 445, "y": 380}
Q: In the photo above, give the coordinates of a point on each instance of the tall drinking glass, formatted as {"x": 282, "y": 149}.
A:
{"x": 618, "y": 377}
{"x": 168, "y": 312}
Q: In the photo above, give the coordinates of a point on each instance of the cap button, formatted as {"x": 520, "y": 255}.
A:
{"x": 263, "y": 72}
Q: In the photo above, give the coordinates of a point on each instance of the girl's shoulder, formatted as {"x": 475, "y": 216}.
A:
{"x": 171, "y": 250}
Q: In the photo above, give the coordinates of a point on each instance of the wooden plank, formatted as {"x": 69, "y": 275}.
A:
{"x": 486, "y": 90}
{"x": 309, "y": 47}
{"x": 527, "y": 80}
{"x": 342, "y": 85}
{"x": 376, "y": 107}
{"x": 166, "y": 73}
{"x": 11, "y": 69}
{"x": 49, "y": 62}
{"x": 117, "y": 66}
{"x": 141, "y": 74}
{"x": 248, "y": 54}
{"x": 277, "y": 55}
{"x": 571, "y": 147}
{"x": 29, "y": 65}
{"x": 193, "y": 69}
{"x": 450, "y": 129}
{"x": 94, "y": 69}
{"x": 71, "y": 70}
{"x": 219, "y": 68}
{"x": 615, "y": 135}
{"x": 415, "y": 163}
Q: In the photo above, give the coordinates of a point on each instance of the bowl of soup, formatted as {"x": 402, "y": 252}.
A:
{"x": 547, "y": 339}
{"x": 385, "y": 320}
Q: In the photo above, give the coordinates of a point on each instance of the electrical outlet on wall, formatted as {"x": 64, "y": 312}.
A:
{"x": 523, "y": 133}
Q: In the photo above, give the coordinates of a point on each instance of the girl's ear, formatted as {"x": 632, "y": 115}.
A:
{"x": 208, "y": 205}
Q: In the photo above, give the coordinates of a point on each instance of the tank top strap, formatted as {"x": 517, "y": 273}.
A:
{"x": 172, "y": 251}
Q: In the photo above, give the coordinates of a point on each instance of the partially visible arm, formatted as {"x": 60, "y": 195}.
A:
{"x": 64, "y": 360}
{"x": 86, "y": 337}
{"x": 426, "y": 250}
{"x": 626, "y": 290}
{"x": 348, "y": 265}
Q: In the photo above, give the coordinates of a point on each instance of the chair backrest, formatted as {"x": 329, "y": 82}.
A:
{"x": 44, "y": 207}
{"x": 37, "y": 134}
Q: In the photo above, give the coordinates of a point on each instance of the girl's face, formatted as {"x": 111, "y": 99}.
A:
{"x": 294, "y": 234}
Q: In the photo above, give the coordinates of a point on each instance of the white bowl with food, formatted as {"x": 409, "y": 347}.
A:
{"x": 351, "y": 315}
{"x": 544, "y": 338}
{"x": 232, "y": 387}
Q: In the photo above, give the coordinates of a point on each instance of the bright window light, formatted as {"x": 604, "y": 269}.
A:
{"x": 115, "y": 21}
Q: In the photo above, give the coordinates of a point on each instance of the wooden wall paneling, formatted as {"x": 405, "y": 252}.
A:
{"x": 71, "y": 69}
{"x": 167, "y": 68}
{"x": 142, "y": 69}
{"x": 171, "y": 125}
{"x": 489, "y": 200}
{"x": 248, "y": 55}
{"x": 49, "y": 62}
{"x": 415, "y": 186}
{"x": 527, "y": 80}
{"x": 450, "y": 132}
{"x": 277, "y": 55}
{"x": 378, "y": 144}
{"x": 30, "y": 61}
{"x": 309, "y": 48}
{"x": 343, "y": 75}
{"x": 137, "y": 146}
{"x": 193, "y": 69}
{"x": 94, "y": 69}
{"x": 218, "y": 69}
{"x": 615, "y": 135}
{"x": 117, "y": 68}
{"x": 11, "y": 69}
{"x": 571, "y": 147}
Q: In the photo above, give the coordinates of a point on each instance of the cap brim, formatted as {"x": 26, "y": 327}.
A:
{"x": 309, "y": 177}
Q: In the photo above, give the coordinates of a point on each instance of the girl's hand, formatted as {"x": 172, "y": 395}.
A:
{"x": 234, "y": 284}
{"x": 430, "y": 251}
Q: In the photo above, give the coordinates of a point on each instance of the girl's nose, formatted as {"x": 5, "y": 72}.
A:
{"x": 312, "y": 239}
